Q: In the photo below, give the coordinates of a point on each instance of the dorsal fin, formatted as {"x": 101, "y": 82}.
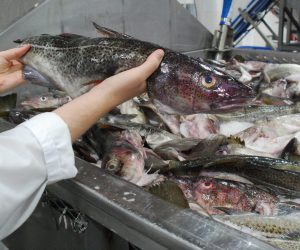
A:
{"x": 105, "y": 32}
{"x": 18, "y": 41}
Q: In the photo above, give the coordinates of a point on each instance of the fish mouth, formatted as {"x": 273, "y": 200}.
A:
{"x": 233, "y": 104}
{"x": 27, "y": 104}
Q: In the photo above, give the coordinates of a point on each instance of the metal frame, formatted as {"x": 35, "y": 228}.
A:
{"x": 286, "y": 19}
{"x": 254, "y": 24}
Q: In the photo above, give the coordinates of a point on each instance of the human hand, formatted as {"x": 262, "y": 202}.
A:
{"x": 82, "y": 112}
{"x": 10, "y": 68}
{"x": 132, "y": 82}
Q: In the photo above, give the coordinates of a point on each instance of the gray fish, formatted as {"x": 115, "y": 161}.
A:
{"x": 280, "y": 175}
{"x": 190, "y": 148}
{"x": 47, "y": 100}
{"x": 153, "y": 135}
{"x": 280, "y": 227}
{"x": 123, "y": 155}
{"x": 182, "y": 84}
{"x": 254, "y": 113}
{"x": 212, "y": 194}
{"x": 173, "y": 150}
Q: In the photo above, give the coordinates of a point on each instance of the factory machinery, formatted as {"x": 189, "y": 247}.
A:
{"x": 96, "y": 210}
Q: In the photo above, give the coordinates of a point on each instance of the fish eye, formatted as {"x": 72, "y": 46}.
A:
{"x": 207, "y": 184}
{"x": 208, "y": 81}
{"x": 43, "y": 98}
{"x": 113, "y": 165}
{"x": 69, "y": 98}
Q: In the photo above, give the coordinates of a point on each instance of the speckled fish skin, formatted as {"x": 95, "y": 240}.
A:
{"x": 211, "y": 193}
{"x": 280, "y": 227}
{"x": 72, "y": 62}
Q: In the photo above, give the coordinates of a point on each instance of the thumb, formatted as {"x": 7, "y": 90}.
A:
{"x": 152, "y": 63}
{"x": 15, "y": 53}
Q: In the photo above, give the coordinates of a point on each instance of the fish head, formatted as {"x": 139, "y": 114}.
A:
{"x": 125, "y": 161}
{"x": 45, "y": 101}
{"x": 212, "y": 193}
{"x": 193, "y": 86}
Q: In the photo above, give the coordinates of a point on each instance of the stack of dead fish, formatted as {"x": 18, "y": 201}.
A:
{"x": 199, "y": 138}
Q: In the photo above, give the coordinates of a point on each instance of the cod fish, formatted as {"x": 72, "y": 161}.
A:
{"x": 123, "y": 155}
{"x": 215, "y": 194}
{"x": 280, "y": 175}
{"x": 46, "y": 101}
{"x": 280, "y": 227}
{"x": 74, "y": 63}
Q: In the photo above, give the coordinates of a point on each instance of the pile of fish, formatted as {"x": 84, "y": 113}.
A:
{"x": 226, "y": 148}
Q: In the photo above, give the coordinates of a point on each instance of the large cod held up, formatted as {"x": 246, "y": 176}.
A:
{"x": 181, "y": 85}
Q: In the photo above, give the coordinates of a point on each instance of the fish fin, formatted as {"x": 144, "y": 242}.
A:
{"x": 35, "y": 77}
{"x": 229, "y": 211}
{"x": 288, "y": 149}
{"x": 105, "y": 32}
{"x": 18, "y": 41}
{"x": 171, "y": 192}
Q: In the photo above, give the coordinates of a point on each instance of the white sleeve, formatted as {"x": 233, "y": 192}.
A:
{"x": 35, "y": 153}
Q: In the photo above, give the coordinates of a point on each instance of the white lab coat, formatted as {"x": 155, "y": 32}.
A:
{"x": 35, "y": 153}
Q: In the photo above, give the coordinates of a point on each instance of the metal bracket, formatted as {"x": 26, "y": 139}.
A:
{"x": 255, "y": 25}
{"x": 68, "y": 216}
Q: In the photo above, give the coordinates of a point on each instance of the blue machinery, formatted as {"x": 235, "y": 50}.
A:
{"x": 247, "y": 19}
{"x": 252, "y": 14}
